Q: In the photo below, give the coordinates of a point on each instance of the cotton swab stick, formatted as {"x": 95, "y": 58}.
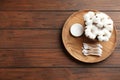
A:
{"x": 88, "y": 52}
{"x": 90, "y": 46}
{"x": 92, "y": 49}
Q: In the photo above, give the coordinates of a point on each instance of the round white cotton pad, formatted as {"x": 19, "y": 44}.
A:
{"x": 76, "y": 30}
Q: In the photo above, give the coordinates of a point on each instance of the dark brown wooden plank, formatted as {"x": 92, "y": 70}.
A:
{"x": 59, "y": 5}
{"x": 60, "y": 74}
{"x": 49, "y": 58}
{"x": 32, "y": 19}
{"x": 55, "y": 20}
{"x": 42, "y": 38}
{"x": 33, "y": 38}
{"x": 30, "y": 38}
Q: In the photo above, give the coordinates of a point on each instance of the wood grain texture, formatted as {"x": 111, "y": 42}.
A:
{"x": 60, "y": 73}
{"x": 31, "y": 46}
{"x": 20, "y": 58}
{"x": 59, "y": 5}
{"x": 30, "y": 39}
{"x": 33, "y": 20}
{"x": 18, "y": 20}
{"x": 25, "y": 39}
{"x": 35, "y": 42}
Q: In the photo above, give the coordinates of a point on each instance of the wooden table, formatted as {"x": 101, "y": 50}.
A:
{"x": 30, "y": 41}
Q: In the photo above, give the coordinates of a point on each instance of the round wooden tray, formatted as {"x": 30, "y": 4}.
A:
{"x": 74, "y": 45}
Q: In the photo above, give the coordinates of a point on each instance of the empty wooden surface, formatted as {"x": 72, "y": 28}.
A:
{"x": 31, "y": 47}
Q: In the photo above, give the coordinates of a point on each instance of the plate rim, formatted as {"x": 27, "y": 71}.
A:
{"x": 76, "y": 57}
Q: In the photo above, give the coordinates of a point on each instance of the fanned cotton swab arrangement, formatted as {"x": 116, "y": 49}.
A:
{"x": 90, "y": 49}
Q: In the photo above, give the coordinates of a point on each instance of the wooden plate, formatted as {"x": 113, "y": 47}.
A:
{"x": 74, "y": 45}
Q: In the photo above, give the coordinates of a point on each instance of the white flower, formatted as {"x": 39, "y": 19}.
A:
{"x": 98, "y": 25}
{"x": 89, "y": 16}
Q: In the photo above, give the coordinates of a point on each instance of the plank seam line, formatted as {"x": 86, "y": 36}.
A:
{"x": 51, "y": 67}
{"x": 30, "y": 28}
{"x": 25, "y": 28}
{"x": 29, "y": 48}
{"x": 56, "y": 10}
